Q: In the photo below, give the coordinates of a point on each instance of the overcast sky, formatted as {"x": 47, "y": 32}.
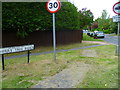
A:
{"x": 96, "y": 6}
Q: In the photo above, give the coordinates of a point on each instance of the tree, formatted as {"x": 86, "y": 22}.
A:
{"x": 113, "y": 26}
{"x": 94, "y": 25}
{"x": 105, "y": 15}
{"x": 67, "y": 17}
{"x": 103, "y": 21}
{"x": 21, "y": 18}
{"x": 106, "y": 24}
{"x": 24, "y": 18}
{"x": 85, "y": 17}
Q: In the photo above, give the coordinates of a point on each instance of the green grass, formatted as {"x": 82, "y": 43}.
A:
{"x": 104, "y": 73}
{"x": 0, "y": 75}
{"x": 88, "y": 38}
{"x": 113, "y": 35}
{"x": 19, "y": 74}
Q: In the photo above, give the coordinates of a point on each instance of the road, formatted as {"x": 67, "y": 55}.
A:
{"x": 111, "y": 39}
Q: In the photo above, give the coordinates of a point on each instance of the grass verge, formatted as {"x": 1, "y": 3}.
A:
{"x": 19, "y": 74}
{"x": 113, "y": 35}
{"x": 104, "y": 73}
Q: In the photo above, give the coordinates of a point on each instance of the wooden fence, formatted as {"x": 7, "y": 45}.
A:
{"x": 42, "y": 38}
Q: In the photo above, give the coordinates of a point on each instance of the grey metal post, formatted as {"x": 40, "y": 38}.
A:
{"x": 54, "y": 37}
{"x": 118, "y": 28}
{"x": 118, "y": 33}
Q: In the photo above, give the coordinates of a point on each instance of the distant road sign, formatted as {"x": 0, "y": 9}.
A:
{"x": 116, "y": 18}
{"x": 53, "y": 6}
{"x": 116, "y": 8}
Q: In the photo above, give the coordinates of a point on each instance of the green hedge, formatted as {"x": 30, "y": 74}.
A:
{"x": 30, "y": 16}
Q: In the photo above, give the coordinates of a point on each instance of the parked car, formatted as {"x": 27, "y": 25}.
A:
{"x": 95, "y": 32}
{"x": 85, "y": 31}
{"x": 99, "y": 34}
{"x": 91, "y": 34}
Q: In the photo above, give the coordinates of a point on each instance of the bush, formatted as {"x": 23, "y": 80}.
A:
{"x": 107, "y": 31}
{"x": 24, "y": 18}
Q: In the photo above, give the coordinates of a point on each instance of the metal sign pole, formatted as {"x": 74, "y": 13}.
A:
{"x": 54, "y": 40}
{"x": 118, "y": 52}
{"x": 28, "y": 56}
{"x": 53, "y": 6}
{"x": 3, "y": 66}
{"x": 118, "y": 27}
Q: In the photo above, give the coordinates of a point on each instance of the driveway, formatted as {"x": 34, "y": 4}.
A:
{"x": 111, "y": 39}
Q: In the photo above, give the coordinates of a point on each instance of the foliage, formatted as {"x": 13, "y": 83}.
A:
{"x": 24, "y": 18}
{"x": 105, "y": 15}
{"x": 113, "y": 26}
{"x": 85, "y": 17}
{"x": 20, "y": 17}
{"x": 67, "y": 17}
{"x": 103, "y": 21}
{"x": 107, "y": 31}
{"x": 106, "y": 24}
{"x": 94, "y": 25}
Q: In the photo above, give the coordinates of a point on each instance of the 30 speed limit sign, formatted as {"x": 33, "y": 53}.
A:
{"x": 53, "y": 6}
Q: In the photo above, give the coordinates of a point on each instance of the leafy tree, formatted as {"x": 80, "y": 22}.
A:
{"x": 85, "y": 17}
{"x": 24, "y": 18}
{"x": 103, "y": 21}
{"x": 105, "y": 15}
{"x": 67, "y": 17}
{"x": 94, "y": 25}
{"x": 106, "y": 24}
{"x": 20, "y": 17}
{"x": 113, "y": 26}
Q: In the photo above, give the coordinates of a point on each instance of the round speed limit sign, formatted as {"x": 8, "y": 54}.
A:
{"x": 116, "y": 8}
{"x": 53, "y": 6}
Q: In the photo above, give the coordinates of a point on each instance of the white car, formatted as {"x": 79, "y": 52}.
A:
{"x": 85, "y": 31}
{"x": 99, "y": 34}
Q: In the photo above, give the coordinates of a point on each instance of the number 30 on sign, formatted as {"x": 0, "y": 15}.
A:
{"x": 53, "y": 6}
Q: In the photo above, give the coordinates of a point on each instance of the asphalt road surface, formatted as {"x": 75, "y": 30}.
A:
{"x": 111, "y": 39}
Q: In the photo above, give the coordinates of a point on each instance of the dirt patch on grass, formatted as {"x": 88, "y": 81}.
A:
{"x": 89, "y": 53}
{"x": 98, "y": 42}
{"x": 67, "y": 78}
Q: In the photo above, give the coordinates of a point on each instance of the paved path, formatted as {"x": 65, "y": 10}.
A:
{"x": 17, "y": 56}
